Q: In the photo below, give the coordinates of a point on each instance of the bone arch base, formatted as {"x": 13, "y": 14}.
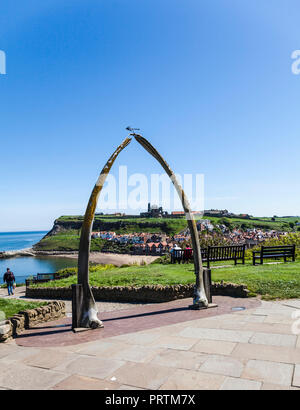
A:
{"x": 84, "y": 309}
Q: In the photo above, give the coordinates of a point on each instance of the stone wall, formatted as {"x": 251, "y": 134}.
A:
{"x": 26, "y": 319}
{"x": 147, "y": 294}
{"x": 5, "y": 330}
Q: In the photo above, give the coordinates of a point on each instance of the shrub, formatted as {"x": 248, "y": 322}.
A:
{"x": 288, "y": 239}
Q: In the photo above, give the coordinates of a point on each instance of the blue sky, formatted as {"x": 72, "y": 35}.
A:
{"x": 209, "y": 82}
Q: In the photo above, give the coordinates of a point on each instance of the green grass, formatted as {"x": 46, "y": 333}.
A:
{"x": 128, "y": 224}
{"x": 12, "y": 306}
{"x": 67, "y": 241}
{"x": 280, "y": 224}
{"x": 279, "y": 281}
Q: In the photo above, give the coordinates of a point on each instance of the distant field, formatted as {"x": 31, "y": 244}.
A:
{"x": 283, "y": 219}
{"x": 120, "y": 225}
{"x": 173, "y": 226}
{"x": 271, "y": 281}
{"x": 280, "y": 224}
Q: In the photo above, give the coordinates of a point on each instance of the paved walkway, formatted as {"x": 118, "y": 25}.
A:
{"x": 251, "y": 349}
{"x": 124, "y": 321}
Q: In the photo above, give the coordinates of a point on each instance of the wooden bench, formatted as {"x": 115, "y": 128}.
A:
{"x": 268, "y": 252}
{"x": 212, "y": 254}
{"x": 45, "y": 277}
{"x": 224, "y": 253}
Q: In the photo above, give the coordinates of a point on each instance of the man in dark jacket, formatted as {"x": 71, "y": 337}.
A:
{"x": 9, "y": 278}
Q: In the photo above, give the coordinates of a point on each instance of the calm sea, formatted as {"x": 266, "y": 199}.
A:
{"x": 23, "y": 267}
{"x": 14, "y": 241}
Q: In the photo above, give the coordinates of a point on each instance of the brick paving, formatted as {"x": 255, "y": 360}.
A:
{"x": 164, "y": 347}
{"x": 139, "y": 318}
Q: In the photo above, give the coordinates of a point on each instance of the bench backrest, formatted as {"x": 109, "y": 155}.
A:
{"x": 288, "y": 249}
{"x": 226, "y": 252}
{"x": 44, "y": 276}
{"x": 215, "y": 253}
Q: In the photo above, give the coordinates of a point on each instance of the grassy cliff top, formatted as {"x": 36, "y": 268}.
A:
{"x": 172, "y": 226}
{"x": 66, "y": 237}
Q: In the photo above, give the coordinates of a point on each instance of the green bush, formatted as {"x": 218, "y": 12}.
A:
{"x": 288, "y": 239}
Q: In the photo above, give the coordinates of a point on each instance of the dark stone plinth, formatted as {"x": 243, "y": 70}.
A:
{"x": 77, "y": 302}
{"x": 199, "y": 307}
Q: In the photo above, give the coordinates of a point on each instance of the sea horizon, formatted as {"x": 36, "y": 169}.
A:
{"x": 16, "y": 241}
{"x": 24, "y": 267}
{"x": 16, "y": 232}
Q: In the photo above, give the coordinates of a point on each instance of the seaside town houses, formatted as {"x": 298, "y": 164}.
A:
{"x": 152, "y": 244}
{"x": 159, "y": 243}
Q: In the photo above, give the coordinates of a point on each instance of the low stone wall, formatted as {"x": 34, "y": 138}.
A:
{"x": 5, "y": 330}
{"x": 147, "y": 294}
{"x": 26, "y": 319}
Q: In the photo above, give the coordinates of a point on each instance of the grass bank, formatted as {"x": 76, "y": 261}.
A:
{"x": 66, "y": 241}
{"x": 10, "y": 307}
{"x": 274, "y": 281}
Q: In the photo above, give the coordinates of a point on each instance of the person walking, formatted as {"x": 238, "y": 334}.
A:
{"x": 9, "y": 278}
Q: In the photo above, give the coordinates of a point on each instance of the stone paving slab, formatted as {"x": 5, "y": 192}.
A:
{"x": 223, "y": 365}
{"x": 106, "y": 348}
{"x": 268, "y": 353}
{"x": 265, "y": 327}
{"x": 179, "y": 359}
{"x": 204, "y": 352}
{"x": 176, "y": 342}
{"x": 17, "y": 354}
{"x": 274, "y": 339}
{"x": 272, "y": 387}
{"x": 94, "y": 367}
{"x": 218, "y": 334}
{"x": 269, "y": 372}
{"x": 294, "y": 303}
{"x": 232, "y": 383}
{"x": 193, "y": 380}
{"x": 296, "y": 378}
{"x": 147, "y": 376}
{"x": 214, "y": 347}
{"x": 76, "y": 382}
{"x": 143, "y": 354}
{"x": 48, "y": 359}
{"x": 17, "y": 376}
